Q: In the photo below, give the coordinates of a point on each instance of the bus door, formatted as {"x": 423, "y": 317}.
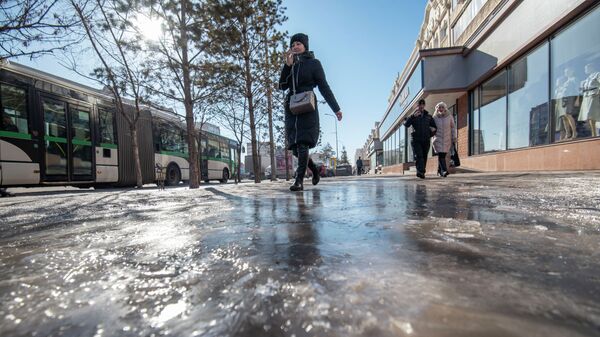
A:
{"x": 67, "y": 141}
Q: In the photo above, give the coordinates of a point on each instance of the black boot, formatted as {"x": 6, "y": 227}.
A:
{"x": 302, "y": 151}
{"x": 298, "y": 185}
{"x": 315, "y": 171}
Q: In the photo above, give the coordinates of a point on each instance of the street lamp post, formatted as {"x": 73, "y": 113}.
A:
{"x": 337, "y": 153}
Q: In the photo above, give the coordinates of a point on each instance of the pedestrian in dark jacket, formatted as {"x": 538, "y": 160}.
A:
{"x": 423, "y": 128}
{"x": 359, "y": 166}
{"x": 303, "y": 130}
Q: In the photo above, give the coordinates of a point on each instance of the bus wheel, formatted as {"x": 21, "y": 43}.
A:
{"x": 225, "y": 176}
{"x": 173, "y": 176}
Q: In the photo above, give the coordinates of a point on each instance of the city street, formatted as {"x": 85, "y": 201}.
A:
{"x": 469, "y": 255}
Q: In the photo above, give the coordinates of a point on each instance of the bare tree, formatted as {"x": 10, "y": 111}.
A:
{"x": 242, "y": 37}
{"x": 35, "y": 27}
{"x": 107, "y": 25}
{"x": 233, "y": 114}
{"x": 187, "y": 72}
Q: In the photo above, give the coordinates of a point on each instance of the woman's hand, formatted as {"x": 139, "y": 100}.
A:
{"x": 288, "y": 57}
{"x": 339, "y": 115}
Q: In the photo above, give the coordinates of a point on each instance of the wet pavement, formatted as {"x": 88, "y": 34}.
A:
{"x": 469, "y": 255}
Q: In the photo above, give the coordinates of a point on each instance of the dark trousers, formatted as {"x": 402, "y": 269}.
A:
{"x": 359, "y": 170}
{"x": 420, "y": 151}
{"x": 442, "y": 162}
{"x": 300, "y": 151}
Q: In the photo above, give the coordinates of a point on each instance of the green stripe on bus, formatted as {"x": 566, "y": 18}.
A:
{"x": 176, "y": 154}
{"x": 108, "y": 145}
{"x": 81, "y": 142}
{"x": 56, "y": 139}
{"x": 17, "y": 135}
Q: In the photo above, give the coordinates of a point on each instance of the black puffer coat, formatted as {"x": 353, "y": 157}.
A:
{"x": 421, "y": 126}
{"x": 308, "y": 73}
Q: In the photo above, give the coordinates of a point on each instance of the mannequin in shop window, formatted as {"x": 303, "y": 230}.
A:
{"x": 566, "y": 107}
{"x": 590, "y": 100}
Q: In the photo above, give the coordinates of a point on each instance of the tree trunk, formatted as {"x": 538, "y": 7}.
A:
{"x": 136, "y": 156}
{"x": 239, "y": 164}
{"x": 188, "y": 103}
{"x": 249, "y": 96}
{"x": 270, "y": 111}
{"x": 287, "y": 165}
{"x": 198, "y": 141}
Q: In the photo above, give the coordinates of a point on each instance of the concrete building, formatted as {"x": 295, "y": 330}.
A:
{"x": 521, "y": 78}
{"x": 374, "y": 150}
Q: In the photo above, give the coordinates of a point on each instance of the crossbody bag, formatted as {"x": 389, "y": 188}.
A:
{"x": 302, "y": 102}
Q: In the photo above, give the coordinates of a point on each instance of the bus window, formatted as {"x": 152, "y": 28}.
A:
{"x": 172, "y": 139}
{"x": 213, "y": 149}
{"x": 107, "y": 127}
{"x": 224, "y": 150}
{"x": 14, "y": 111}
{"x": 204, "y": 147}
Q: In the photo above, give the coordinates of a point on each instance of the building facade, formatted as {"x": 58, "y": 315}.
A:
{"x": 521, "y": 77}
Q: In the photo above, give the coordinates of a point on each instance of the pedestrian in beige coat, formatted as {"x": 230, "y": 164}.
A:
{"x": 445, "y": 136}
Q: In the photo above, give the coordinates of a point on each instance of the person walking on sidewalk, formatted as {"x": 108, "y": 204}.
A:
{"x": 422, "y": 128}
{"x": 302, "y": 68}
{"x": 359, "y": 166}
{"x": 444, "y": 137}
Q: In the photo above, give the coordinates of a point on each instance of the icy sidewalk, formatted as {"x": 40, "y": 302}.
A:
{"x": 488, "y": 255}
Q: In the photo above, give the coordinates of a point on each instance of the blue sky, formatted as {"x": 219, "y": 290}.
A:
{"x": 363, "y": 45}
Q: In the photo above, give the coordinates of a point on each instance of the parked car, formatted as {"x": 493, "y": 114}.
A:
{"x": 343, "y": 170}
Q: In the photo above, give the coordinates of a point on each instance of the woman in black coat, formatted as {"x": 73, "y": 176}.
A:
{"x": 303, "y": 130}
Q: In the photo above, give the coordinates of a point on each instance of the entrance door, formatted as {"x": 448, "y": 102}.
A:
{"x": 81, "y": 143}
{"x": 67, "y": 142}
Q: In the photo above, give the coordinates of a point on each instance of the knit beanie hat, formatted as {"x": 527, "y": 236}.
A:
{"x": 302, "y": 38}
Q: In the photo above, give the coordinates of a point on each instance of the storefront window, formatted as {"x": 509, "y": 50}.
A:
{"x": 528, "y": 100}
{"x": 401, "y": 139}
{"x": 408, "y": 93}
{"x": 394, "y": 155}
{"x": 575, "y": 79}
{"x": 493, "y": 113}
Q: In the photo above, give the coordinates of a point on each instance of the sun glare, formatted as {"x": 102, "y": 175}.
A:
{"x": 150, "y": 28}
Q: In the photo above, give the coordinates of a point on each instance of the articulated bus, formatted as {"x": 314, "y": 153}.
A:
{"x": 57, "y": 132}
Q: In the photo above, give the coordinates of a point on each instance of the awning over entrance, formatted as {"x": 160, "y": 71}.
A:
{"x": 438, "y": 75}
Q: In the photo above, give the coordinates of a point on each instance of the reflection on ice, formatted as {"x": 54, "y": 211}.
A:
{"x": 169, "y": 312}
{"x": 371, "y": 257}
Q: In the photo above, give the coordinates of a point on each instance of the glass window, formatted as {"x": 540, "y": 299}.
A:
{"x": 55, "y": 128}
{"x": 80, "y": 124}
{"x": 224, "y": 150}
{"x": 466, "y": 17}
{"x": 528, "y": 100}
{"x": 171, "y": 138}
{"x": 81, "y": 139}
{"x": 393, "y": 149}
{"x": 406, "y": 96}
{"x": 575, "y": 79}
{"x": 107, "y": 128}
{"x": 475, "y": 137}
{"x": 401, "y": 140}
{"x": 213, "y": 149}
{"x": 55, "y": 118}
{"x": 14, "y": 109}
{"x": 204, "y": 146}
{"x": 385, "y": 153}
{"x": 492, "y": 117}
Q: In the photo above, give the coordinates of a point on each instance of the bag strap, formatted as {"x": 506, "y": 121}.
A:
{"x": 293, "y": 77}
